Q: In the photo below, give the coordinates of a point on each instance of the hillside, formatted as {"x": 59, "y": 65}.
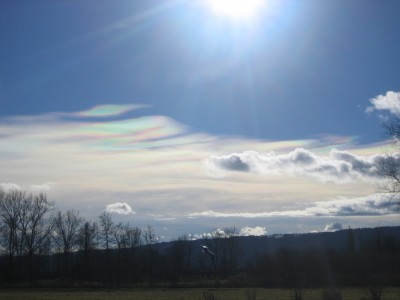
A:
{"x": 251, "y": 247}
{"x": 352, "y": 257}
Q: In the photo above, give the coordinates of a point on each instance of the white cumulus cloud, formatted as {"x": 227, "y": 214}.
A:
{"x": 255, "y": 231}
{"x": 120, "y": 208}
{"x": 333, "y": 227}
{"x": 390, "y": 102}
{"x": 337, "y": 167}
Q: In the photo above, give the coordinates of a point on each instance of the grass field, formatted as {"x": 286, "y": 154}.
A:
{"x": 186, "y": 294}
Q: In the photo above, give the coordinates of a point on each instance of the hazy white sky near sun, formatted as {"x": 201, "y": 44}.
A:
{"x": 177, "y": 114}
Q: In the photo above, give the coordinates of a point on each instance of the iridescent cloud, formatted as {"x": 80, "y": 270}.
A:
{"x": 155, "y": 164}
{"x": 108, "y": 110}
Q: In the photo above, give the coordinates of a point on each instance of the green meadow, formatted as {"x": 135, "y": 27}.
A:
{"x": 187, "y": 294}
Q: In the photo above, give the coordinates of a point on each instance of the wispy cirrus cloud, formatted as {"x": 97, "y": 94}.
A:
{"x": 108, "y": 110}
{"x": 389, "y": 102}
{"x": 337, "y": 167}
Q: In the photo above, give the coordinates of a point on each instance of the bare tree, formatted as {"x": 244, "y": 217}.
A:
{"x": 133, "y": 236}
{"x": 65, "y": 235}
{"x": 87, "y": 241}
{"x": 119, "y": 235}
{"x": 88, "y": 236}
{"x": 11, "y": 203}
{"x": 24, "y": 221}
{"x": 215, "y": 245}
{"x": 132, "y": 240}
{"x": 38, "y": 227}
{"x": 231, "y": 242}
{"x": 10, "y": 213}
{"x": 2, "y": 225}
{"x": 389, "y": 166}
{"x": 150, "y": 238}
{"x": 24, "y": 226}
{"x": 24, "y": 207}
{"x": 106, "y": 225}
{"x": 106, "y": 228}
{"x": 126, "y": 236}
{"x": 180, "y": 256}
{"x": 65, "y": 230}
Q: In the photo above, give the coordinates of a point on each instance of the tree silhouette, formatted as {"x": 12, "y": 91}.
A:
{"x": 24, "y": 227}
{"x": 65, "y": 235}
{"x": 106, "y": 228}
{"x": 150, "y": 239}
{"x": 389, "y": 167}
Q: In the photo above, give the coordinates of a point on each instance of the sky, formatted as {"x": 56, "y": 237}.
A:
{"x": 192, "y": 115}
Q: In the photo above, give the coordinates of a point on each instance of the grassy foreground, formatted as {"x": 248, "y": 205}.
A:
{"x": 186, "y": 294}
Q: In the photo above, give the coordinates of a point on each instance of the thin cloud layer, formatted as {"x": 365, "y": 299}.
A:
{"x": 158, "y": 162}
{"x": 373, "y": 205}
{"x": 33, "y": 187}
{"x": 7, "y": 186}
{"x": 101, "y": 111}
{"x": 389, "y": 102}
{"x": 120, "y": 208}
{"x": 338, "y": 167}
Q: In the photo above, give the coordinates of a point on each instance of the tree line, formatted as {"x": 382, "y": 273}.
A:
{"x": 40, "y": 245}
{"x": 31, "y": 230}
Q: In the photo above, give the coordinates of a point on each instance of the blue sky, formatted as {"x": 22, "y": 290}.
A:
{"x": 174, "y": 109}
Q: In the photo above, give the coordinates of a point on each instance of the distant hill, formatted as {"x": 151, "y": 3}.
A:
{"x": 351, "y": 257}
{"x": 250, "y": 247}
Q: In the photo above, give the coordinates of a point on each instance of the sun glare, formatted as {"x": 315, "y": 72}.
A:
{"x": 236, "y": 9}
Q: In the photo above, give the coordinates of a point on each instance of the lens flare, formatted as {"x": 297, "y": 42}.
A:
{"x": 236, "y": 9}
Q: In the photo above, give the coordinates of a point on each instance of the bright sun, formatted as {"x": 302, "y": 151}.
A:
{"x": 236, "y": 9}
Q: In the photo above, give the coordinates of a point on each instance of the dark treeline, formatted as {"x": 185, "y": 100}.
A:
{"x": 44, "y": 247}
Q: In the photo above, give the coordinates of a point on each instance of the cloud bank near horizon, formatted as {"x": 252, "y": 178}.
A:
{"x": 333, "y": 227}
{"x": 373, "y": 205}
{"x": 221, "y": 232}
